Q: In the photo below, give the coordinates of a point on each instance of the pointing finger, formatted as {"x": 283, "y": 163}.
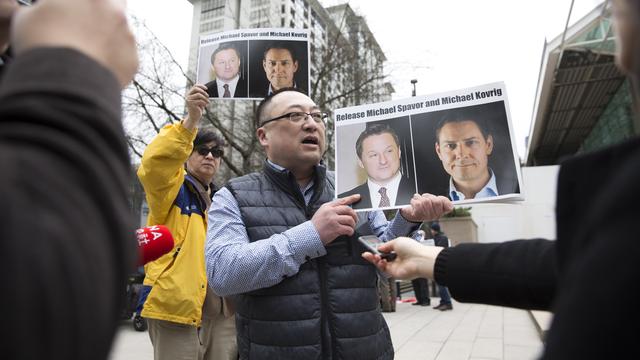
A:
{"x": 348, "y": 200}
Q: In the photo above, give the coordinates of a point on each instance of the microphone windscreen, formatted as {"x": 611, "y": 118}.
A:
{"x": 153, "y": 242}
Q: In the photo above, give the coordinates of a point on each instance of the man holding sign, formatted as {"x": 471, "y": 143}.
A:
{"x": 288, "y": 252}
{"x": 186, "y": 319}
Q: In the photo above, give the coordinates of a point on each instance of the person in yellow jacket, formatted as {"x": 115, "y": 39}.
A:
{"x": 187, "y": 320}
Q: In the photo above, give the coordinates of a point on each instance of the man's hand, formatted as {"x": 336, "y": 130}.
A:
{"x": 197, "y": 101}
{"x": 426, "y": 207}
{"x": 336, "y": 218}
{"x": 97, "y": 28}
{"x": 413, "y": 260}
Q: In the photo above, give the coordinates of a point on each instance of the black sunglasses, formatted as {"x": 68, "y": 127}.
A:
{"x": 215, "y": 151}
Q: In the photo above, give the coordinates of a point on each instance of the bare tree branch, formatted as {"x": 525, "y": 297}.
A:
{"x": 352, "y": 91}
{"x": 157, "y": 96}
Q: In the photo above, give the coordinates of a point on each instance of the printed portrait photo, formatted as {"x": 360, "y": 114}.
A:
{"x": 223, "y": 69}
{"x": 465, "y": 153}
{"x": 277, "y": 64}
{"x": 375, "y": 160}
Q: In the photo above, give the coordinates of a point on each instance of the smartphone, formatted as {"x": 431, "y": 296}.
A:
{"x": 371, "y": 242}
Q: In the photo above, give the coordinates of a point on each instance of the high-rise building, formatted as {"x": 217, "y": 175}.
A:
{"x": 346, "y": 61}
{"x": 337, "y": 35}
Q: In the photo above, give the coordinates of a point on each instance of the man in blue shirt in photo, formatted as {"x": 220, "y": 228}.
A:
{"x": 464, "y": 147}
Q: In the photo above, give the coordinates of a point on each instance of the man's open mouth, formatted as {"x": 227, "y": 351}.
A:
{"x": 310, "y": 140}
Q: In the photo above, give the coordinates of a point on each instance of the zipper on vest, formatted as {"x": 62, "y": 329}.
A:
{"x": 328, "y": 344}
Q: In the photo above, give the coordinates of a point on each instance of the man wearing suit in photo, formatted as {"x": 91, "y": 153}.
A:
{"x": 226, "y": 64}
{"x": 378, "y": 150}
{"x": 281, "y": 64}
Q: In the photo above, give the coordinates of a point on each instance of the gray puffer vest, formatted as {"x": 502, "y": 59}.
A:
{"x": 330, "y": 308}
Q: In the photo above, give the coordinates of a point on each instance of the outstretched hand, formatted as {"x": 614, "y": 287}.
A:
{"x": 413, "y": 259}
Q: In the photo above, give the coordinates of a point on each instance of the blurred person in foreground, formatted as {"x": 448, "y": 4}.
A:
{"x": 597, "y": 246}
{"x": 66, "y": 233}
{"x": 187, "y": 320}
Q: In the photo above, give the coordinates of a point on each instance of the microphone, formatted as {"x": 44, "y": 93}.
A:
{"x": 153, "y": 242}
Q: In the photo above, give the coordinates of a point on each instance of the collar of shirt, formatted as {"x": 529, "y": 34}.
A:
{"x": 232, "y": 85}
{"x": 489, "y": 190}
{"x": 307, "y": 191}
{"x": 295, "y": 86}
{"x": 392, "y": 190}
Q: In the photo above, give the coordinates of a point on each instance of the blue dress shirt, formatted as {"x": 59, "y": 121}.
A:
{"x": 489, "y": 190}
{"x": 235, "y": 265}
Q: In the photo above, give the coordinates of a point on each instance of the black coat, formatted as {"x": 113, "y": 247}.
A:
{"x": 66, "y": 233}
{"x": 241, "y": 89}
{"x": 588, "y": 277}
{"x": 405, "y": 192}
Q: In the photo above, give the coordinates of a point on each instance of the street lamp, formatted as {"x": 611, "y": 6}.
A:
{"x": 414, "y": 81}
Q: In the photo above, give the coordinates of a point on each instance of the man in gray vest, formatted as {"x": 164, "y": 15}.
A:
{"x": 288, "y": 252}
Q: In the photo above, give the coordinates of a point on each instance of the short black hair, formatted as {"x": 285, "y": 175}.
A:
{"x": 225, "y": 46}
{"x": 459, "y": 116}
{"x": 376, "y": 129}
{"x": 267, "y": 100}
{"x": 284, "y": 45}
{"x": 206, "y": 136}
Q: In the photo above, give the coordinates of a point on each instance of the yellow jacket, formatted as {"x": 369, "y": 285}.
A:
{"x": 178, "y": 279}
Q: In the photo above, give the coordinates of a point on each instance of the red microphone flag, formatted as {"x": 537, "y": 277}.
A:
{"x": 153, "y": 242}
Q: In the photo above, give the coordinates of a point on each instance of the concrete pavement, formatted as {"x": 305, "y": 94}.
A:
{"x": 468, "y": 332}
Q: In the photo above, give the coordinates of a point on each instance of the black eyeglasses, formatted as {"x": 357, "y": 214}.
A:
{"x": 297, "y": 116}
{"x": 215, "y": 151}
